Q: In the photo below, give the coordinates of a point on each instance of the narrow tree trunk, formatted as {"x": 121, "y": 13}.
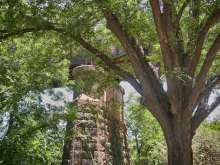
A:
{"x": 68, "y": 149}
{"x": 179, "y": 143}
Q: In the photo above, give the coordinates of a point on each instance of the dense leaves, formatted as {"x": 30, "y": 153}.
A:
{"x": 35, "y": 134}
{"x": 30, "y": 65}
{"x": 146, "y": 138}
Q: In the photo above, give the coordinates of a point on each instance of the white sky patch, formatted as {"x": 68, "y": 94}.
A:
{"x": 216, "y": 113}
{"x": 4, "y": 124}
{"x": 129, "y": 90}
{"x": 57, "y": 96}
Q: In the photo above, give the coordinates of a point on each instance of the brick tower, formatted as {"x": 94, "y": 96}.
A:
{"x": 100, "y": 136}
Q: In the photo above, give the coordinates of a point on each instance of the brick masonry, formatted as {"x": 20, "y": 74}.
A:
{"x": 99, "y": 135}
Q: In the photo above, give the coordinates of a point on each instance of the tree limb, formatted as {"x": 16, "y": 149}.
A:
{"x": 152, "y": 88}
{"x": 203, "y": 109}
{"x": 126, "y": 75}
{"x": 180, "y": 13}
{"x": 4, "y": 34}
{"x": 201, "y": 78}
{"x": 203, "y": 112}
{"x": 212, "y": 83}
{"x": 170, "y": 41}
{"x": 167, "y": 52}
{"x": 108, "y": 61}
{"x": 209, "y": 23}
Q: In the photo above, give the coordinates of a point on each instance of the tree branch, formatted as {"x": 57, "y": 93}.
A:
{"x": 171, "y": 47}
{"x": 212, "y": 83}
{"x": 203, "y": 109}
{"x": 152, "y": 88}
{"x": 4, "y": 34}
{"x": 180, "y": 13}
{"x": 209, "y": 23}
{"x": 126, "y": 75}
{"x": 203, "y": 112}
{"x": 154, "y": 96}
{"x": 108, "y": 61}
{"x": 160, "y": 27}
{"x": 201, "y": 78}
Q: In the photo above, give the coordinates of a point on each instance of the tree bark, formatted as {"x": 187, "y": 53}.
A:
{"x": 68, "y": 156}
{"x": 179, "y": 142}
{"x": 180, "y": 151}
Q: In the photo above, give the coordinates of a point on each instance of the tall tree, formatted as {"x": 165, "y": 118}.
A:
{"x": 27, "y": 127}
{"x": 186, "y": 31}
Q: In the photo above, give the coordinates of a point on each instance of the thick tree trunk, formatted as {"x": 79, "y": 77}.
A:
{"x": 179, "y": 143}
{"x": 180, "y": 152}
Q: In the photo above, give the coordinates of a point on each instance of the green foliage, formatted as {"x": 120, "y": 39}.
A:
{"x": 84, "y": 18}
{"x": 177, "y": 73}
{"x": 29, "y": 65}
{"x": 33, "y": 135}
{"x": 43, "y": 147}
{"x": 146, "y": 138}
{"x": 215, "y": 125}
{"x": 32, "y": 63}
{"x": 148, "y": 145}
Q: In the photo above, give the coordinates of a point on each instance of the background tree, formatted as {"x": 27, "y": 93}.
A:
{"x": 30, "y": 133}
{"x": 187, "y": 33}
{"x": 146, "y": 140}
